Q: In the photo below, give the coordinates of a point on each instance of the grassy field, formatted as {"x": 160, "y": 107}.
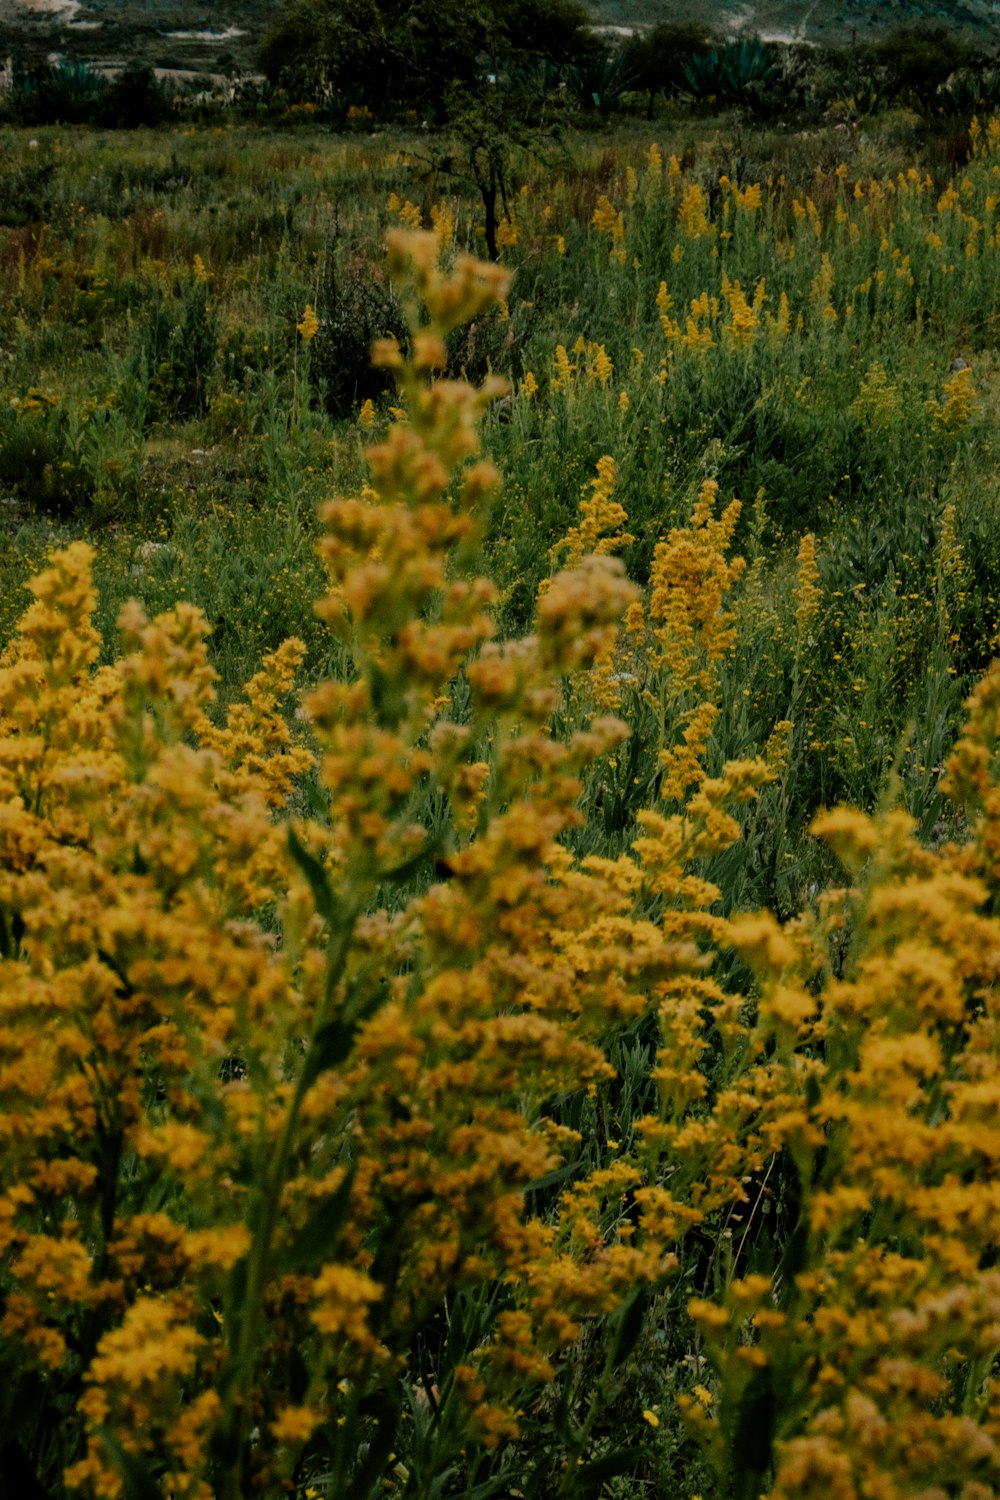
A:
{"x": 717, "y": 1229}
{"x": 156, "y": 390}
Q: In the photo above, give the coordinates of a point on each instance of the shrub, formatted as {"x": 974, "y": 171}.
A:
{"x": 66, "y": 93}
{"x": 355, "y": 308}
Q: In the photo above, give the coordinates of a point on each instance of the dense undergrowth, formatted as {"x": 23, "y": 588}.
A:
{"x": 399, "y": 1094}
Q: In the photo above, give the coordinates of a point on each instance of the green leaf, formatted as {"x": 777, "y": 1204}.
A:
{"x": 135, "y": 1475}
{"x": 333, "y": 1042}
{"x": 558, "y": 1174}
{"x": 599, "y": 1469}
{"x": 318, "y": 799}
{"x": 385, "y": 1407}
{"x": 487, "y": 1488}
{"x": 316, "y": 875}
{"x": 319, "y": 1234}
{"x": 427, "y": 852}
{"x": 629, "y": 1326}
{"x": 330, "y": 1046}
{"x": 753, "y": 1435}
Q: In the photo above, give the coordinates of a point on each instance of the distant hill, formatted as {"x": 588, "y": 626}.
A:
{"x": 186, "y": 35}
{"x": 218, "y": 36}
{"x": 829, "y": 21}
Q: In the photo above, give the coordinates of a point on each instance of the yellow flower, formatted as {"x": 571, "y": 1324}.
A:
{"x": 309, "y": 326}
{"x": 564, "y": 369}
{"x": 955, "y": 411}
{"x": 600, "y": 368}
{"x": 508, "y": 234}
{"x": 295, "y": 1424}
{"x": 807, "y": 592}
{"x": 444, "y": 224}
{"x": 691, "y": 214}
{"x": 605, "y": 216}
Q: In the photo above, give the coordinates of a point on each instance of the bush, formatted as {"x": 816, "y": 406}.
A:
{"x": 355, "y": 307}
{"x": 64, "y": 93}
{"x": 656, "y": 59}
{"x": 917, "y": 61}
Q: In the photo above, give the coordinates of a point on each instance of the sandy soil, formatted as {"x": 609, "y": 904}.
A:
{"x": 745, "y": 21}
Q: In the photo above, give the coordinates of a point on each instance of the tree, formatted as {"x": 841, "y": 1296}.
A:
{"x": 385, "y": 53}
{"x": 656, "y": 59}
{"x": 918, "y": 60}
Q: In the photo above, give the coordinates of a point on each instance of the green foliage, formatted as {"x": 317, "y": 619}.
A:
{"x": 740, "y": 72}
{"x": 172, "y": 358}
{"x": 392, "y": 55}
{"x": 74, "y": 93}
{"x": 601, "y": 80}
{"x": 171, "y": 410}
{"x": 356, "y": 306}
{"x": 917, "y": 61}
{"x": 69, "y": 92}
{"x": 656, "y": 58}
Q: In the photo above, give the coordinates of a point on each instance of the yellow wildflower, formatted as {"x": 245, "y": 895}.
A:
{"x": 309, "y": 325}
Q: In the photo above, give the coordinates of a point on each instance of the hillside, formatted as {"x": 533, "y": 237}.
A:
{"x": 196, "y": 35}
{"x": 221, "y": 35}
{"x": 829, "y": 21}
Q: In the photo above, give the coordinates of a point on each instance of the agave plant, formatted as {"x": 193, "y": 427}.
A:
{"x": 734, "y": 72}
{"x": 66, "y": 91}
{"x": 970, "y": 92}
{"x": 600, "y": 80}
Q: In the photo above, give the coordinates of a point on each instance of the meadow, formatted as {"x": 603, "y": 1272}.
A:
{"x": 539, "y": 1037}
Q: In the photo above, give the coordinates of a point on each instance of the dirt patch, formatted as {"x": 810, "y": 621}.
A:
{"x": 62, "y": 10}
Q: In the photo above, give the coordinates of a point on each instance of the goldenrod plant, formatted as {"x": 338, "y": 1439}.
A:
{"x": 272, "y": 1093}
{"x": 401, "y": 1090}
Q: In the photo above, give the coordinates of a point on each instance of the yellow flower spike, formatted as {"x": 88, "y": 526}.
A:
{"x": 429, "y": 352}
{"x": 600, "y": 368}
{"x": 443, "y": 220}
{"x": 807, "y": 592}
{"x": 850, "y": 833}
{"x": 309, "y": 325}
{"x": 692, "y": 214}
{"x": 508, "y": 233}
{"x": 450, "y": 298}
{"x": 296, "y": 1424}
{"x": 954, "y": 412}
{"x": 605, "y": 216}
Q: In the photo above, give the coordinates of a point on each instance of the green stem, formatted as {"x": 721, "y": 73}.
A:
{"x": 242, "y": 1362}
